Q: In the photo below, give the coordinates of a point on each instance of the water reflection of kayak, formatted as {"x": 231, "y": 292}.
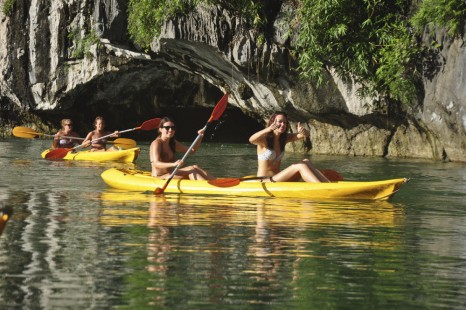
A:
{"x": 126, "y": 156}
{"x": 135, "y": 180}
{"x": 122, "y": 208}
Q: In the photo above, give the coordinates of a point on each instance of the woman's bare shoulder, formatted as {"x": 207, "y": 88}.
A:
{"x": 156, "y": 141}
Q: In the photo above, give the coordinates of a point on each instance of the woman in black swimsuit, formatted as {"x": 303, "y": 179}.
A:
{"x": 163, "y": 159}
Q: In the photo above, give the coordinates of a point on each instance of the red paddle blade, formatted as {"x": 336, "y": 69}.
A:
{"x": 225, "y": 182}
{"x": 219, "y": 108}
{"x": 158, "y": 191}
{"x": 151, "y": 124}
{"x": 332, "y": 175}
{"x": 57, "y": 154}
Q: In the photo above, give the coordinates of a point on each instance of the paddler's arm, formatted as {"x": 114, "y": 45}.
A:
{"x": 56, "y": 139}
{"x": 259, "y": 137}
{"x": 87, "y": 140}
{"x": 200, "y": 132}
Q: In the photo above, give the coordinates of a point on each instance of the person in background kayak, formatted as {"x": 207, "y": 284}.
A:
{"x": 271, "y": 143}
{"x": 101, "y": 145}
{"x": 163, "y": 150}
{"x": 62, "y": 137}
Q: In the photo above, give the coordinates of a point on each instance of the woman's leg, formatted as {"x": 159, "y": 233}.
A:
{"x": 201, "y": 174}
{"x": 301, "y": 169}
{"x": 315, "y": 171}
{"x": 194, "y": 172}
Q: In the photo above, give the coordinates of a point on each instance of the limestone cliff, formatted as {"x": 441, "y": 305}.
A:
{"x": 73, "y": 57}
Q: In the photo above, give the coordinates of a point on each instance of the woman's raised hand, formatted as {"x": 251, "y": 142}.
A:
{"x": 302, "y": 130}
{"x": 274, "y": 126}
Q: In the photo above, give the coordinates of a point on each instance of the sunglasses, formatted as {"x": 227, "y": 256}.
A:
{"x": 68, "y": 124}
{"x": 169, "y": 127}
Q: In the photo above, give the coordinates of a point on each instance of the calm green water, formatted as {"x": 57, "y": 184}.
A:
{"x": 73, "y": 243}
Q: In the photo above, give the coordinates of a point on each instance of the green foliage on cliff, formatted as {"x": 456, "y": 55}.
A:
{"x": 364, "y": 40}
{"x": 450, "y": 14}
{"x": 82, "y": 45}
{"x": 371, "y": 42}
{"x": 251, "y": 11}
{"x": 8, "y": 7}
{"x": 145, "y": 17}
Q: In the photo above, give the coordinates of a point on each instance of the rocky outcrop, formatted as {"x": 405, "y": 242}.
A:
{"x": 443, "y": 111}
{"x": 197, "y": 57}
{"x": 341, "y": 123}
{"x": 44, "y": 78}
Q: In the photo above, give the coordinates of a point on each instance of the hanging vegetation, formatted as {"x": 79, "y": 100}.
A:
{"x": 371, "y": 42}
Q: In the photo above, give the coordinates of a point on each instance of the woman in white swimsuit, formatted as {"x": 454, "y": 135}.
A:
{"x": 64, "y": 137}
{"x": 271, "y": 143}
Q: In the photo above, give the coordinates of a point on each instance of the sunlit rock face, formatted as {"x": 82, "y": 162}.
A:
{"x": 194, "y": 60}
{"x": 261, "y": 80}
{"x": 44, "y": 79}
{"x": 444, "y": 108}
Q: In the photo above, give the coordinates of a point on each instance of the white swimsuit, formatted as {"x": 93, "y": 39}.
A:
{"x": 270, "y": 155}
{"x": 66, "y": 143}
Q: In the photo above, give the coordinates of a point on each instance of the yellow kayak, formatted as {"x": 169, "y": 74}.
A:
{"x": 125, "y": 156}
{"x": 136, "y": 180}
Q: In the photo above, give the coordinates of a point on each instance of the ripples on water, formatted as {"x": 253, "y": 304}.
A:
{"x": 75, "y": 243}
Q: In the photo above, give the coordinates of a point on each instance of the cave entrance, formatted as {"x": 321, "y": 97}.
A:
{"x": 233, "y": 127}
{"x": 127, "y": 98}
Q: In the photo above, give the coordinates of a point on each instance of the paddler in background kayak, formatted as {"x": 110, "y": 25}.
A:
{"x": 163, "y": 150}
{"x": 101, "y": 145}
{"x": 62, "y": 137}
{"x": 271, "y": 143}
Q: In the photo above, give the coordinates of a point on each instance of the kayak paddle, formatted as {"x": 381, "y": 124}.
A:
{"x": 61, "y": 152}
{"x": 332, "y": 175}
{"x": 216, "y": 113}
{"x": 28, "y": 133}
{"x": 124, "y": 143}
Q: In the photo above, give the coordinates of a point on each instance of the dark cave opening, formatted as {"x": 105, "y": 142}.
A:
{"x": 232, "y": 127}
{"x": 127, "y": 99}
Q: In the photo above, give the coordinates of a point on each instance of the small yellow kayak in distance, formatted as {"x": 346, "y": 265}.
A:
{"x": 136, "y": 180}
{"x": 122, "y": 156}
